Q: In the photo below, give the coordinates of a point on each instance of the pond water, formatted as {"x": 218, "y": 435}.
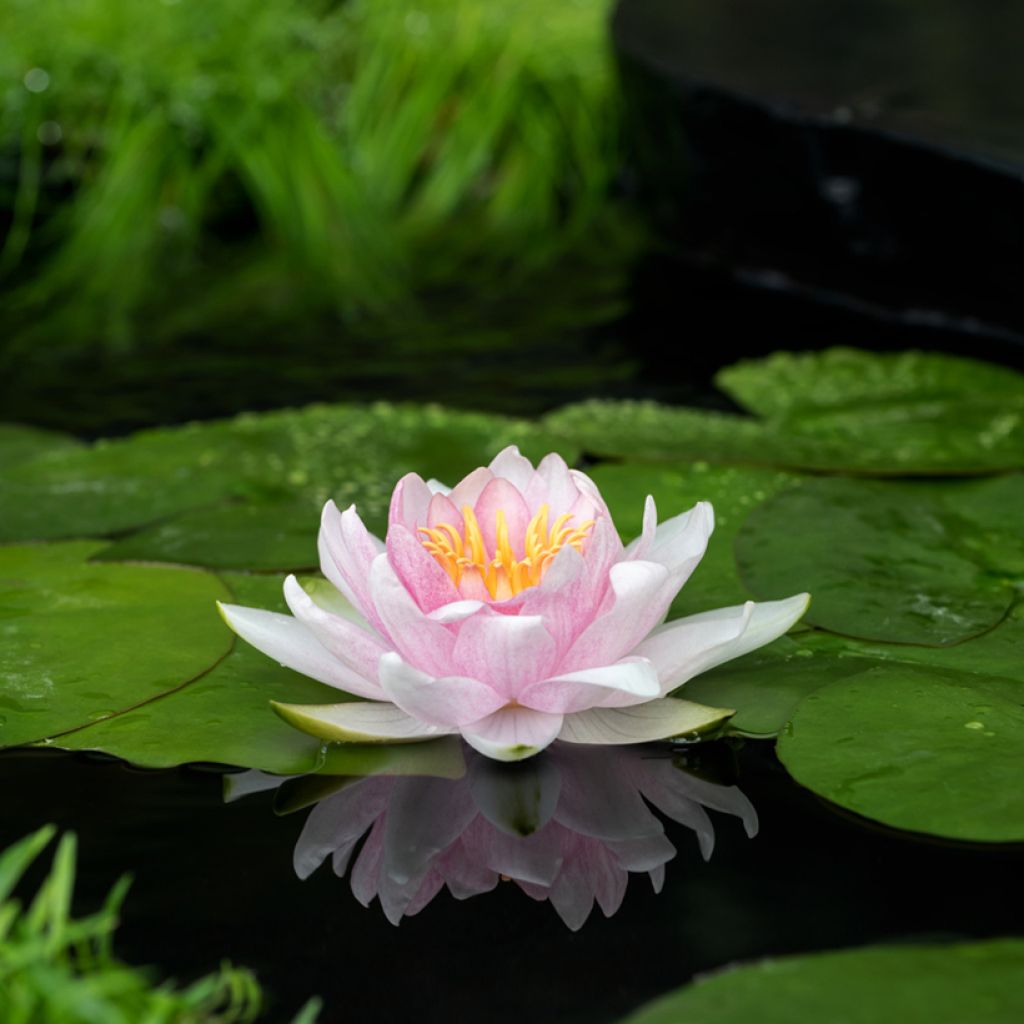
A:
{"x": 215, "y": 880}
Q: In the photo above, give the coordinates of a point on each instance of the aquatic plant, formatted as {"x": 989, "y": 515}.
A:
{"x": 58, "y": 969}
{"x": 508, "y": 610}
{"x": 173, "y": 168}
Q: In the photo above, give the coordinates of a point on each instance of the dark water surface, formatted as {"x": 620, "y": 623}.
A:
{"x": 215, "y": 881}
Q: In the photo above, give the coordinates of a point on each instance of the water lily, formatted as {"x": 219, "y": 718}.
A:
{"x": 508, "y": 610}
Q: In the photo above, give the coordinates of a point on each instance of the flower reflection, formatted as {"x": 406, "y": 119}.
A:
{"x": 569, "y": 827}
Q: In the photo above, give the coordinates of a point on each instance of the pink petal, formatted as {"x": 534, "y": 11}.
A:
{"x": 553, "y": 486}
{"x": 352, "y": 645}
{"x": 467, "y": 490}
{"x": 347, "y": 550}
{"x": 509, "y": 465}
{"x": 449, "y": 701}
{"x": 421, "y": 573}
{"x": 638, "y": 600}
{"x": 291, "y": 644}
{"x": 423, "y": 642}
{"x": 512, "y": 734}
{"x": 536, "y": 858}
{"x": 441, "y": 510}
{"x": 409, "y": 502}
{"x": 508, "y": 652}
{"x": 686, "y": 647}
{"x": 500, "y": 495}
{"x": 635, "y": 679}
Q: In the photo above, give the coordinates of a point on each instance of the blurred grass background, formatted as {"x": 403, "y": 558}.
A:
{"x": 207, "y": 206}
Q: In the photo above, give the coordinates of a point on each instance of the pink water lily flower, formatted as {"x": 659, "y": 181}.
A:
{"x": 508, "y": 610}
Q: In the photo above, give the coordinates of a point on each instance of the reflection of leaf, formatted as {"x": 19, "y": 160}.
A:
{"x": 733, "y": 491}
{"x": 84, "y": 641}
{"x": 917, "y": 749}
{"x": 224, "y": 716}
{"x": 977, "y": 982}
{"x": 879, "y": 559}
{"x": 349, "y": 453}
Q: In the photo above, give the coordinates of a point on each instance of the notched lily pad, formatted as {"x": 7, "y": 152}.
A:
{"x": 225, "y": 716}
{"x": 881, "y": 560}
{"x": 916, "y": 749}
{"x": 81, "y": 642}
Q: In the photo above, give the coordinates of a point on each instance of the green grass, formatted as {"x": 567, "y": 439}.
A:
{"x": 57, "y": 969}
{"x": 177, "y": 167}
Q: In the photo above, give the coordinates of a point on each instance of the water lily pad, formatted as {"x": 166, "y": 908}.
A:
{"x": 766, "y": 685}
{"x": 917, "y": 749}
{"x": 880, "y": 560}
{"x": 844, "y": 410}
{"x": 733, "y": 491}
{"x": 977, "y": 982}
{"x": 349, "y": 453}
{"x": 19, "y": 443}
{"x": 81, "y": 642}
{"x": 788, "y": 382}
{"x": 225, "y": 715}
{"x": 272, "y": 535}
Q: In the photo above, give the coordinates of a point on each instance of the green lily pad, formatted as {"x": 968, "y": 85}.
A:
{"x": 225, "y": 715}
{"x": 880, "y": 560}
{"x": 766, "y": 685}
{"x": 19, "y": 443}
{"x": 838, "y": 411}
{"x": 788, "y": 382}
{"x": 82, "y": 642}
{"x": 305, "y": 456}
{"x": 733, "y": 491}
{"x": 990, "y": 513}
{"x": 273, "y": 535}
{"x": 977, "y": 982}
{"x": 917, "y": 749}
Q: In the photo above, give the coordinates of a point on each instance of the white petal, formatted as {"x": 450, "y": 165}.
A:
{"x": 358, "y": 722}
{"x": 455, "y": 611}
{"x": 360, "y": 649}
{"x": 656, "y": 720}
{"x": 446, "y": 701}
{"x": 633, "y": 679}
{"x": 291, "y": 644}
{"x": 512, "y": 734}
{"x": 436, "y": 487}
{"x": 679, "y": 543}
{"x": 642, "y": 544}
{"x": 683, "y": 649}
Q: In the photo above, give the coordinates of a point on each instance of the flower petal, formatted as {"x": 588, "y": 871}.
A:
{"x": 501, "y": 496}
{"x": 637, "y": 601}
{"x": 679, "y": 543}
{"x": 347, "y": 550}
{"x": 419, "y": 571}
{"x": 508, "y": 652}
{"x": 409, "y": 502}
{"x": 421, "y": 640}
{"x": 633, "y": 678}
{"x": 512, "y": 734}
{"x": 358, "y": 722}
{"x": 447, "y": 701}
{"x": 509, "y": 465}
{"x": 468, "y": 489}
{"x": 291, "y": 644}
{"x": 436, "y": 487}
{"x": 639, "y": 547}
{"x": 662, "y": 719}
{"x": 686, "y": 647}
{"x": 352, "y": 645}
{"x": 455, "y": 611}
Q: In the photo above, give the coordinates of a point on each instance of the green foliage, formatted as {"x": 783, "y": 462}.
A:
{"x": 912, "y": 984}
{"x": 180, "y": 165}
{"x": 58, "y": 969}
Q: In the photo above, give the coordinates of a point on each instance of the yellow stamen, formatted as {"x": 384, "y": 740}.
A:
{"x": 504, "y": 575}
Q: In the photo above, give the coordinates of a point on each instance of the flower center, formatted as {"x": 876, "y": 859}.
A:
{"x": 503, "y": 574}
